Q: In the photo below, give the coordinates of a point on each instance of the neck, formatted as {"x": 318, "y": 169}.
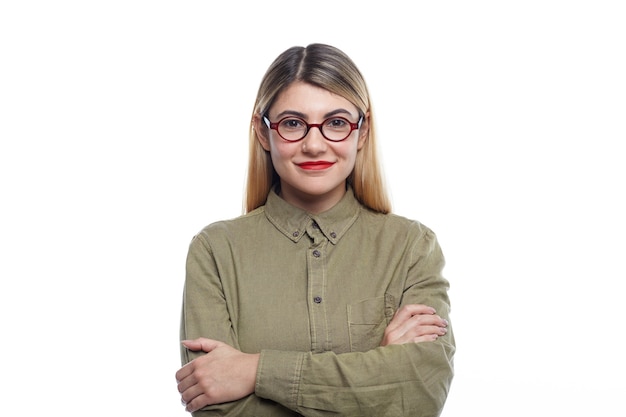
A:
{"x": 312, "y": 203}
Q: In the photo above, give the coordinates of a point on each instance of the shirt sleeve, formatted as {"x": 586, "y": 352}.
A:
{"x": 205, "y": 314}
{"x": 410, "y": 379}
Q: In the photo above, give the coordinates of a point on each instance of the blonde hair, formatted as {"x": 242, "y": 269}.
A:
{"x": 329, "y": 68}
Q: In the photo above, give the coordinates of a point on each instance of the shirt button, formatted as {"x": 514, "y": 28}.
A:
{"x": 317, "y": 299}
{"x": 315, "y": 225}
{"x": 333, "y": 235}
{"x": 295, "y": 234}
{"x": 316, "y": 253}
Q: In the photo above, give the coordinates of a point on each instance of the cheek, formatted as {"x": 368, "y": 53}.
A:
{"x": 348, "y": 152}
{"x": 280, "y": 154}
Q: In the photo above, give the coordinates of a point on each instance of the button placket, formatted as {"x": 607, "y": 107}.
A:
{"x": 317, "y": 284}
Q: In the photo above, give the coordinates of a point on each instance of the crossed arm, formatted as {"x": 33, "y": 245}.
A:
{"x": 227, "y": 374}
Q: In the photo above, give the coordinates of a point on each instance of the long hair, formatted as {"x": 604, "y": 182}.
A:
{"x": 331, "y": 69}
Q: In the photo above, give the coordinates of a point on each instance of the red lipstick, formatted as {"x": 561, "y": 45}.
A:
{"x": 315, "y": 165}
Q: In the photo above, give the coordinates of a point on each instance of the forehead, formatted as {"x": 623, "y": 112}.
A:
{"x": 310, "y": 100}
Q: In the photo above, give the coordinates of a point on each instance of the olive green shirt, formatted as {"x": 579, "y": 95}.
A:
{"x": 313, "y": 294}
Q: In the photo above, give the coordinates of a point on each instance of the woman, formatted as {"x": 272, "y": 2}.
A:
{"x": 317, "y": 301}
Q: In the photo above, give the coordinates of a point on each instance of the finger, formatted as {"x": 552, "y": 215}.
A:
{"x": 184, "y": 372}
{"x": 427, "y": 319}
{"x": 420, "y": 334}
{"x": 400, "y": 327}
{"x": 408, "y": 311}
{"x": 186, "y": 382}
{"x": 197, "y": 403}
{"x": 426, "y": 330}
{"x": 191, "y": 394}
{"x": 415, "y": 326}
{"x": 425, "y": 338}
{"x": 421, "y": 331}
{"x": 425, "y": 324}
{"x": 201, "y": 343}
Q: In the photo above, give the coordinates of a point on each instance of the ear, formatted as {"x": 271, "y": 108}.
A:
{"x": 364, "y": 131}
{"x": 262, "y": 131}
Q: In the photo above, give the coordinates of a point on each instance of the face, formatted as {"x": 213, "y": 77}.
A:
{"x": 312, "y": 171}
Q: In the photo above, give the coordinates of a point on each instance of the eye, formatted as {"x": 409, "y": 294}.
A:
{"x": 292, "y": 123}
{"x": 336, "y": 123}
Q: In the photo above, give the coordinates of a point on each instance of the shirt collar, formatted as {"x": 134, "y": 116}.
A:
{"x": 293, "y": 221}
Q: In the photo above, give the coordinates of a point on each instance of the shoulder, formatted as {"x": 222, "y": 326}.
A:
{"x": 228, "y": 228}
{"x": 396, "y": 223}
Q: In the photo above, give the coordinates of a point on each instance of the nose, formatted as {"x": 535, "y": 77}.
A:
{"x": 314, "y": 142}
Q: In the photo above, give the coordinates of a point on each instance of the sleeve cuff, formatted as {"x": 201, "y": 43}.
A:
{"x": 278, "y": 376}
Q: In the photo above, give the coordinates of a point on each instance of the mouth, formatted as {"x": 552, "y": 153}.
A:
{"x": 315, "y": 165}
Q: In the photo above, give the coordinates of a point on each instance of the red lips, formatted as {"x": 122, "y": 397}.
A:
{"x": 315, "y": 165}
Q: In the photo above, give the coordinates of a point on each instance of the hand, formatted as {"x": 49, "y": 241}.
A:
{"x": 223, "y": 374}
{"x": 414, "y": 323}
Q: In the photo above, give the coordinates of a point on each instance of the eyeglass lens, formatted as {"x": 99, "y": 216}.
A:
{"x": 334, "y": 128}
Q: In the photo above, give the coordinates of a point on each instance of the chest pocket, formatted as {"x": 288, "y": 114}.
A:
{"x": 367, "y": 320}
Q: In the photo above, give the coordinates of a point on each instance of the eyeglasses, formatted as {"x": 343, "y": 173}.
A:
{"x": 293, "y": 129}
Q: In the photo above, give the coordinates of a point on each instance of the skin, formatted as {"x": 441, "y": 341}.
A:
{"x": 227, "y": 374}
{"x": 312, "y": 190}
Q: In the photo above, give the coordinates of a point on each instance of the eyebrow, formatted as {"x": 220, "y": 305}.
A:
{"x": 303, "y": 116}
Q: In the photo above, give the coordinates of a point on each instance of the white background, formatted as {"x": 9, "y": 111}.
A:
{"x": 123, "y": 128}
